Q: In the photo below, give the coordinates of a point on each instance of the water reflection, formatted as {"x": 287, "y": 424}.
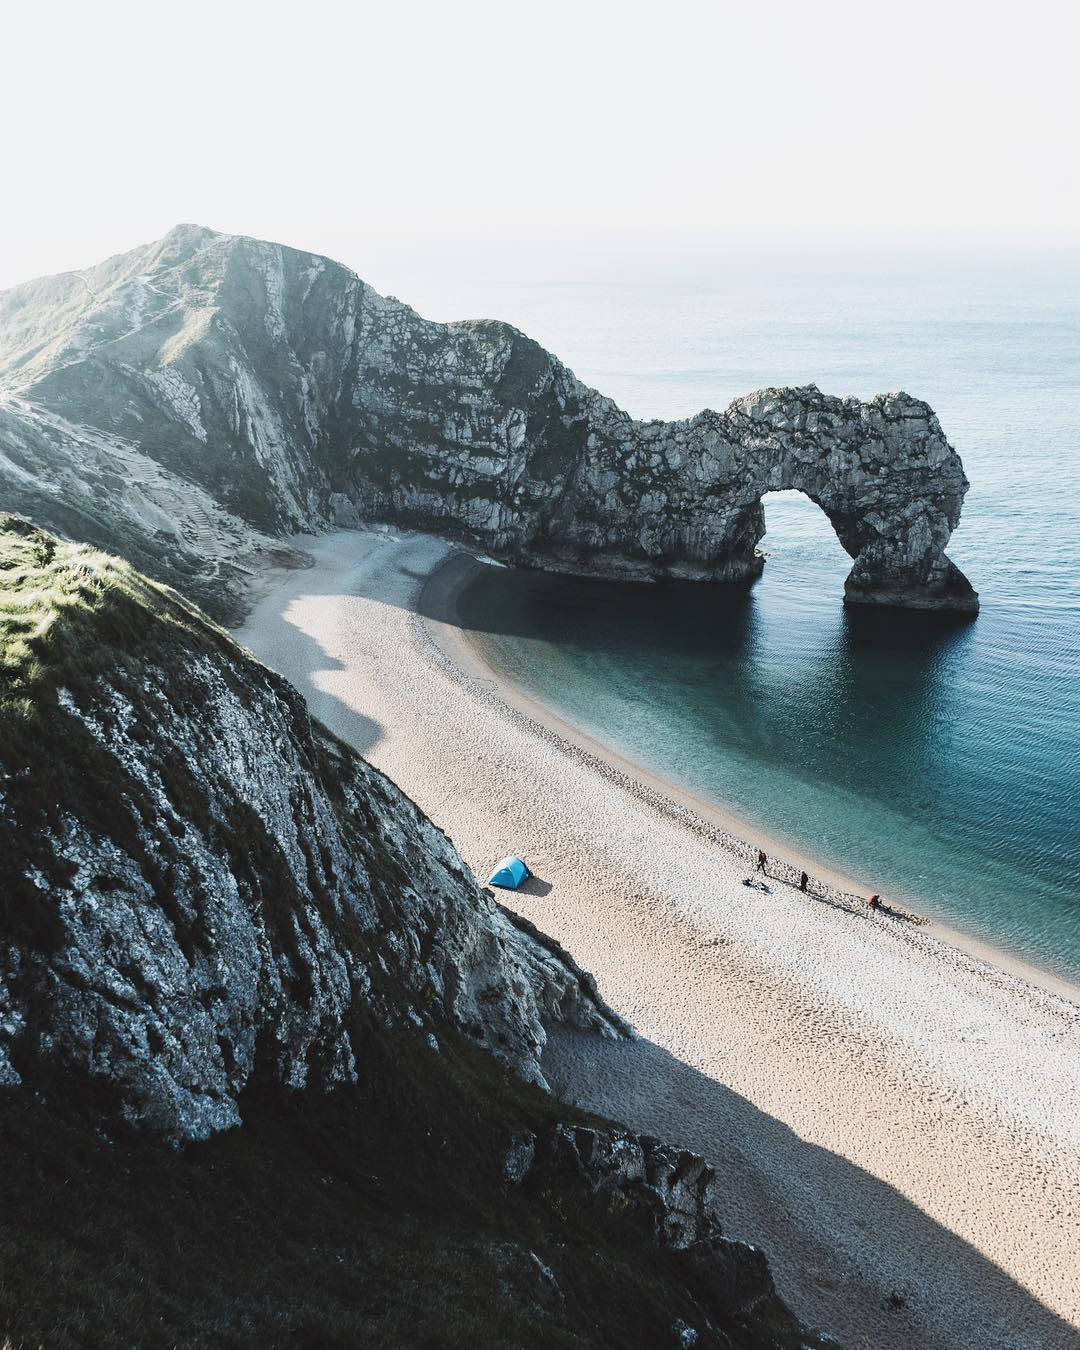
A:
{"x": 897, "y": 746}
{"x": 739, "y": 666}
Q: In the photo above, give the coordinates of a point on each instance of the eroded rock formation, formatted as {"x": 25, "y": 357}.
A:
{"x": 294, "y": 394}
{"x": 199, "y": 886}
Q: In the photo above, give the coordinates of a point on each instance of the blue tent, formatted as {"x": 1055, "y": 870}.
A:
{"x": 509, "y": 874}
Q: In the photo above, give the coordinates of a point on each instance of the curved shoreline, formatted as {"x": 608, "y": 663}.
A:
{"x": 896, "y": 1123}
{"x": 439, "y": 620}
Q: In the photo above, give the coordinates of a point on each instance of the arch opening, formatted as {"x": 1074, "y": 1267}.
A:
{"x": 801, "y": 541}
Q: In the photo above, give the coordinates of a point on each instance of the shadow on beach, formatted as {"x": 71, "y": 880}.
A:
{"x": 284, "y": 647}
{"x": 850, "y": 1253}
{"x": 534, "y": 885}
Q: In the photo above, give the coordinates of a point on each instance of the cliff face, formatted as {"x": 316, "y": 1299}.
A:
{"x": 200, "y": 886}
{"x": 213, "y": 914}
{"x": 295, "y": 394}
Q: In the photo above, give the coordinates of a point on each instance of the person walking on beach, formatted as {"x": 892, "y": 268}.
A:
{"x": 761, "y": 860}
{"x": 874, "y": 902}
{"x": 803, "y": 881}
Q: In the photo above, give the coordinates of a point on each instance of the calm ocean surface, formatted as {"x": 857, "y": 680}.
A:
{"x": 937, "y": 763}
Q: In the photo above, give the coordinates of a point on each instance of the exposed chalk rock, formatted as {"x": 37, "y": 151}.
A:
{"x": 670, "y": 1188}
{"x": 297, "y": 396}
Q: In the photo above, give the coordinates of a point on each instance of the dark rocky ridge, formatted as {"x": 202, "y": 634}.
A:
{"x": 295, "y": 395}
{"x": 199, "y": 883}
{"x": 213, "y": 914}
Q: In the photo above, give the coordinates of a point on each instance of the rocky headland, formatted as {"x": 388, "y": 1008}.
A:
{"x": 193, "y": 400}
{"x": 254, "y": 1007}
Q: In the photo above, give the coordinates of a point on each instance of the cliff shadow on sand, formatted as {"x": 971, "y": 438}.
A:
{"x": 848, "y": 1251}
{"x": 844, "y": 1239}
{"x": 285, "y": 645}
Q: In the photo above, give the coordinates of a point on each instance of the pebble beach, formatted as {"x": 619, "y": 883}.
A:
{"x": 893, "y": 1115}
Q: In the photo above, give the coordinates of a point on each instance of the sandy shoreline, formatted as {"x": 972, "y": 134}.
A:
{"x": 894, "y": 1121}
{"x": 443, "y": 624}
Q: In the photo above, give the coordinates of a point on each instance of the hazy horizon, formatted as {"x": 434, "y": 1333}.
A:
{"x": 413, "y": 269}
{"x": 433, "y": 134}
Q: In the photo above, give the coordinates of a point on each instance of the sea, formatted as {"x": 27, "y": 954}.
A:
{"x": 933, "y": 761}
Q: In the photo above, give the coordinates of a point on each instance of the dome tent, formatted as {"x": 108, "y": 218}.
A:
{"x": 509, "y": 874}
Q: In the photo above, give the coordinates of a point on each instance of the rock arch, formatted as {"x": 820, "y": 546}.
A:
{"x": 297, "y": 393}
{"x": 492, "y": 438}
{"x": 882, "y": 472}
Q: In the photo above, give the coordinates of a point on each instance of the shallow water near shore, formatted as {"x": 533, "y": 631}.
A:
{"x": 936, "y": 761}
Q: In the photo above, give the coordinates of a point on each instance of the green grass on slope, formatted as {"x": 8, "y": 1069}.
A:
{"x": 90, "y": 520}
{"x": 62, "y": 603}
{"x": 68, "y": 615}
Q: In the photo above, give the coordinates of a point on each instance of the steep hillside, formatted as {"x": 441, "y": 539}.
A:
{"x": 201, "y": 883}
{"x": 106, "y": 491}
{"x": 220, "y": 928}
{"x": 293, "y": 395}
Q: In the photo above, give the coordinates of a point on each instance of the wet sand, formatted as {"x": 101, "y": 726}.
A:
{"x": 893, "y": 1118}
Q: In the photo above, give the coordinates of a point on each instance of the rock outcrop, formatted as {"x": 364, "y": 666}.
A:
{"x": 669, "y": 1189}
{"x": 294, "y": 394}
{"x": 214, "y": 914}
{"x": 668, "y": 1194}
{"x": 199, "y": 886}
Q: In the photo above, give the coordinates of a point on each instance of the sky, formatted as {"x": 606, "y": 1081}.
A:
{"x": 371, "y": 132}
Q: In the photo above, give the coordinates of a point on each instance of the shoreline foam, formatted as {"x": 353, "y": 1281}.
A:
{"x": 894, "y": 1122}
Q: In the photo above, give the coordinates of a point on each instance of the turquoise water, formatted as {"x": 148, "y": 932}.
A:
{"x": 935, "y": 762}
